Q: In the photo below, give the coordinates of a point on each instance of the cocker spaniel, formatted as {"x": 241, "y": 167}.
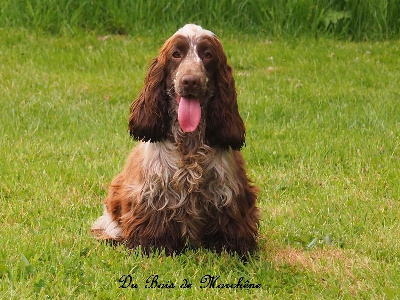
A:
{"x": 185, "y": 183}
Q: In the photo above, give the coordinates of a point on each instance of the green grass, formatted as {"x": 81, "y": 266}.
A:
{"x": 348, "y": 19}
{"x": 323, "y": 145}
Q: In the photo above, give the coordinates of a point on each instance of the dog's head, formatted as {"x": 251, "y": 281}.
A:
{"x": 191, "y": 79}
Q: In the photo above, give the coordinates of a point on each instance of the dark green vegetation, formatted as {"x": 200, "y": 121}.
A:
{"x": 349, "y": 19}
{"x": 323, "y": 145}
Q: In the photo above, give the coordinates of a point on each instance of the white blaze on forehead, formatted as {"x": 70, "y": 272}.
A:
{"x": 192, "y": 31}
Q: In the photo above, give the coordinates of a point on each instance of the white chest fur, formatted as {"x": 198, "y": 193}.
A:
{"x": 172, "y": 180}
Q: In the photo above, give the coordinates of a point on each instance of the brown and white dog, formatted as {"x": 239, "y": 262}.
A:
{"x": 185, "y": 183}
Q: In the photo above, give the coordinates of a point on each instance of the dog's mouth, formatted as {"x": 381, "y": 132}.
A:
{"x": 189, "y": 112}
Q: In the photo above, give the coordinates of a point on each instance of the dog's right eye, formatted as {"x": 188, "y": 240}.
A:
{"x": 176, "y": 54}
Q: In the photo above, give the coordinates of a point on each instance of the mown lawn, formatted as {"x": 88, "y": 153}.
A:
{"x": 323, "y": 145}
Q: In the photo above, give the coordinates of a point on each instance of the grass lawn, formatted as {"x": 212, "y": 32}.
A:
{"x": 323, "y": 145}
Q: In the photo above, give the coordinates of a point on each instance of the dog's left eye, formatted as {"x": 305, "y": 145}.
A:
{"x": 207, "y": 55}
{"x": 176, "y": 54}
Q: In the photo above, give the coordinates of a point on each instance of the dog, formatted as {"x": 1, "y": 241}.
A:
{"x": 184, "y": 184}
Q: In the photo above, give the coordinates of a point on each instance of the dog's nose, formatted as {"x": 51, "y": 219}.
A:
{"x": 190, "y": 82}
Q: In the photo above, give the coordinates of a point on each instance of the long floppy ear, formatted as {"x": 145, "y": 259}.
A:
{"x": 149, "y": 119}
{"x": 224, "y": 126}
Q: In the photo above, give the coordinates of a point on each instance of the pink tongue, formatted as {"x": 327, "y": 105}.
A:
{"x": 189, "y": 114}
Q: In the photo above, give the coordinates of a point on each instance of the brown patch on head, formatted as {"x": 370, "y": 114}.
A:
{"x": 225, "y": 127}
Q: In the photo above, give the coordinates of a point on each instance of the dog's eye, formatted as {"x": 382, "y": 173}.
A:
{"x": 207, "y": 55}
{"x": 176, "y": 54}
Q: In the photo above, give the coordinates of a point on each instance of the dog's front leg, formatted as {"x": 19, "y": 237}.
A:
{"x": 152, "y": 229}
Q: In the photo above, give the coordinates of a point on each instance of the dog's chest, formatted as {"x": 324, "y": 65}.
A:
{"x": 206, "y": 177}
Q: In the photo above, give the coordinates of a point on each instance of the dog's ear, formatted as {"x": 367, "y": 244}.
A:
{"x": 224, "y": 126}
{"x": 149, "y": 119}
